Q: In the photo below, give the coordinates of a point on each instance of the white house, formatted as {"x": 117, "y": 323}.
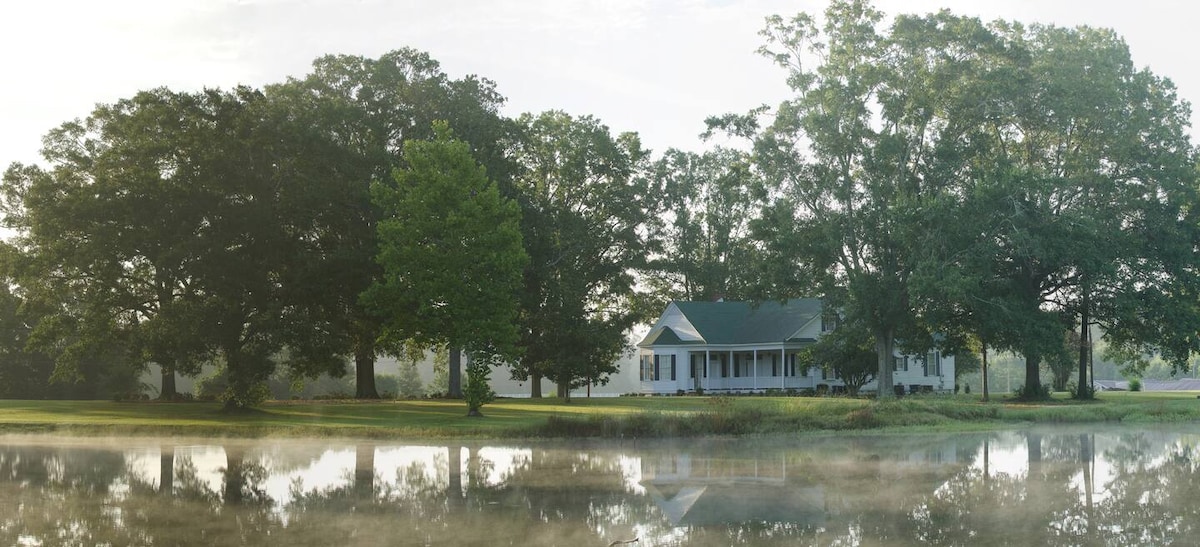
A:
{"x": 739, "y": 347}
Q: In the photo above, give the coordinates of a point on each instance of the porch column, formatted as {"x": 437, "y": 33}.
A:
{"x": 707, "y": 357}
{"x": 754, "y": 365}
{"x": 782, "y": 367}
{"x": 729, "y": 369}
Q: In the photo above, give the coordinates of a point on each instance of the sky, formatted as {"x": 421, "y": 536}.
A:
{"x": 657, "y": 67}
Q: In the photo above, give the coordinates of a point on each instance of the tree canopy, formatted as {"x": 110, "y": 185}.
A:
{"x": 450, "y": 249}
{"x": 937, "y": 180}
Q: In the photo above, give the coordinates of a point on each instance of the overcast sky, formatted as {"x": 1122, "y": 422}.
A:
{"x": 655, "y": 67}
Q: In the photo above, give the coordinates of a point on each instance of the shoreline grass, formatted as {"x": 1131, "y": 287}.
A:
{"x": 624, "y": 417}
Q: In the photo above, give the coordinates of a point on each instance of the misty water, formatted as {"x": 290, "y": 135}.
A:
{"x": 1039, "y": 487}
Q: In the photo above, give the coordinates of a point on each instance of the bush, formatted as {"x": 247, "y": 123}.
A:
{"x": 1135, "y": 384}
{"x": 478, "y": 391}
{"x": 408, "y": 383}
{"x": 1040, "y": 394}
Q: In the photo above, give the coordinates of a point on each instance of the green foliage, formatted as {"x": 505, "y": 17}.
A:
{"x": 705, "y": 247}
{"x": 848, "y": 352}
{"x": 967, "y": 360}
{"x": 1135, "y": 384}
{"x": 1062, "y": 361}
{"x": 478, "y": 390}
{"x": 450, "y": 249}
{"x": 879, "y": 128}
{"x": 389, "y": 385}
{"x": 168, "y": 229}
{"x": 584, "y": 214}
{"x": 283, "y": 387}
{"x": 440, "y": 384}
{"x": 371, "y": 107}
{"x": 1037, "y": 392}
{"x": 408, "y": 382}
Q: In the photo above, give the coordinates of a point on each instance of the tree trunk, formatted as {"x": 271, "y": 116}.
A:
{"x": 1083, "y": 390}
{"x": 364, "y": 366}
{"x": 455, "y": 373}
{"x": 885, "y": 345}
{"x": 166, "y": 469}
{"x": 1033, "y": 380}
{"x": 364, "y": 470}
{"x": 985, "y": 372}
{"x": 168, "y": 391}
{"x": 535, "y": 385}
{"x": 1033, "y": 446}
{"x": 564, "y": 392}
{"x": 454, "y": 490}
{"x": 235, "y": 476}
{"x": 238, "y": 385}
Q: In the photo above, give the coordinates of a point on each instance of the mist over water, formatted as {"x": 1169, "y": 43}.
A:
{"x": 1090, "y": 486}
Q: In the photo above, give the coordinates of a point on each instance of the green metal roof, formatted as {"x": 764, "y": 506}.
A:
{"x": 731, "y": 323}
{"x": 666, "y": 337}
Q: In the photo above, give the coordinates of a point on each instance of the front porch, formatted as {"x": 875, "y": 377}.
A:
{"x": 739, "y": 370}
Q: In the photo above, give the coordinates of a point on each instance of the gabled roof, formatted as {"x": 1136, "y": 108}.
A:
{"x": 666, "y": 337}
{"x": 731, "y": 323}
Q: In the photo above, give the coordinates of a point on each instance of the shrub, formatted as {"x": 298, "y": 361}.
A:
{"x": 408, "y": 382}
{"x": 1135, "y": 384}
{"x": 478, "y": 391}
{"x": 1040, "y": 394}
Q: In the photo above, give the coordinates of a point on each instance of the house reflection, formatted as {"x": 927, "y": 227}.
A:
{"x": 704, "y": 487}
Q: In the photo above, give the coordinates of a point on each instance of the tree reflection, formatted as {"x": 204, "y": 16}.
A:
{"x": 1061, "y": 489}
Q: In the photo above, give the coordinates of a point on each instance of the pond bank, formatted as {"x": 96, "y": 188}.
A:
{"x": 624, "y": 417}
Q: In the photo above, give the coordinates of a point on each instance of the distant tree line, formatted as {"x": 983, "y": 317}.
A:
{"x": 938, "y": 180}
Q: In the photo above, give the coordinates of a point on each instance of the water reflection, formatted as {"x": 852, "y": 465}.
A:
{"x": 1046, "y": 487}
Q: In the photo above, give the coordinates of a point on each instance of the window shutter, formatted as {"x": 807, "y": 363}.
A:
{"x": 672, "y": 366}
{"x": 656, "y": 376}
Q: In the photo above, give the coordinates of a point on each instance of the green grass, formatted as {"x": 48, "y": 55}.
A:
{"x": 600, "y": 417}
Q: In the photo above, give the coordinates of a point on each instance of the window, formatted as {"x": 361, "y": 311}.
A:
{"x": 774, "y": 366}
{"x": 829, "y": 321}
{"x": 645, "y": 368}
{"x": 900, "y": 364}
{"x": 791, "y": 365}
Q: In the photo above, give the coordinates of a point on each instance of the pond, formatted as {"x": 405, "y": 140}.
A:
{"x": 1037, "y": 487}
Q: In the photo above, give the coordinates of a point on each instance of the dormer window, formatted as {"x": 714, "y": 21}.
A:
{"x": 829, "y": 321}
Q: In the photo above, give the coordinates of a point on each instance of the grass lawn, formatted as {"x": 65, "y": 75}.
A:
{"x": 598, "y": 417}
